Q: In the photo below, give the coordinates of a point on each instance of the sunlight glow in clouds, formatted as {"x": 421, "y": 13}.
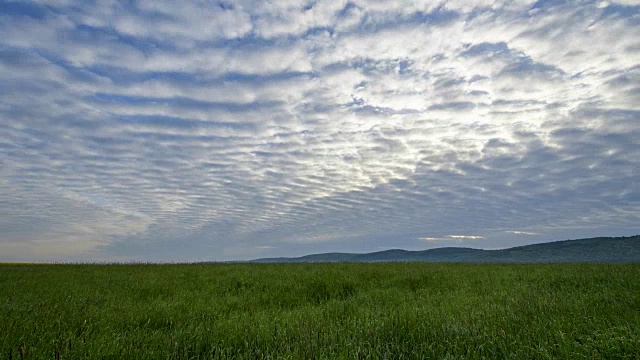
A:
{"x": 452, "y": 237}
{"x": 232, "y": 130}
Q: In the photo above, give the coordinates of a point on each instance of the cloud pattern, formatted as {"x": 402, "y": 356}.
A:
{"x": 149, "y": 131}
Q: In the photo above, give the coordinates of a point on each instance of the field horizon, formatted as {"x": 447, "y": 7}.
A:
{"x": 602, "y": 249}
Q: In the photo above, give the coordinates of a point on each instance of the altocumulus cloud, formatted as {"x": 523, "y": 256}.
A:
{"x": 231, "y": 130}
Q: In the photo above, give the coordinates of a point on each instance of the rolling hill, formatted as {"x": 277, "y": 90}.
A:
{"x": 601, "y": 249}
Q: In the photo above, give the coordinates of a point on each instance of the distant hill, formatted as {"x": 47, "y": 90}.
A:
{"x": 601, "y": 249}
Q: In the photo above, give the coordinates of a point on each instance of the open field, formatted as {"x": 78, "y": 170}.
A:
{"x": 379, "y": 310}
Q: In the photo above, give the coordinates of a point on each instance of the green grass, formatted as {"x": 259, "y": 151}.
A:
{"x": 381, "y": 310}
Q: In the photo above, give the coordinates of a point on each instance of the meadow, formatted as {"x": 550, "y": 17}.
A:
{"x": 320, "y": 311}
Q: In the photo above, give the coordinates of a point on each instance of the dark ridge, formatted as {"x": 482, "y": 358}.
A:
{"x": 600, "y": 249}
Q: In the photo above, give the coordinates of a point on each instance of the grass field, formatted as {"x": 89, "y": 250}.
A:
{"x": 377, "y": 310}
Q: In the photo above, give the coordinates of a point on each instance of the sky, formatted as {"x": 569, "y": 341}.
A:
{"x": 231, "y": 130}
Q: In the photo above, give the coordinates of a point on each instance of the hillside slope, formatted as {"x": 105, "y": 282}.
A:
{"x": 601, "y": 249}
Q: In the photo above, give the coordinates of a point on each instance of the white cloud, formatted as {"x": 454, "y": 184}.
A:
{"x": 236, "y": 128}
{"x": 523, "y": 232}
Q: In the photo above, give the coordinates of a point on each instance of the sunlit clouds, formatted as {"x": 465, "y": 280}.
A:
{"x": 234, "y": 130}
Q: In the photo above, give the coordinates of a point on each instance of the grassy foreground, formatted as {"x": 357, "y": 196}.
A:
{"x": 380, "y": 310}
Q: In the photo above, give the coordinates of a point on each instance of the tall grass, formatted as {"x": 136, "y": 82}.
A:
{"x": 383, "y": 310}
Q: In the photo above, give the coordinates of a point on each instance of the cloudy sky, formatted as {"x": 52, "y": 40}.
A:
{"x": 147, "y": 131}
